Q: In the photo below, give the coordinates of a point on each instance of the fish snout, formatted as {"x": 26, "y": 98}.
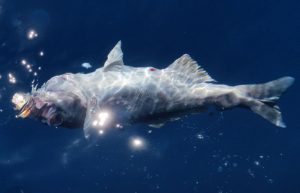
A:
{"x": 29, "y": 105}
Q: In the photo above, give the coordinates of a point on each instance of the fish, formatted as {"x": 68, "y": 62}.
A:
{"x": 117, "y": 95}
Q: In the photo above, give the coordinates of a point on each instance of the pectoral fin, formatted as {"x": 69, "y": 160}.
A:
{"x": 89, "y": 126}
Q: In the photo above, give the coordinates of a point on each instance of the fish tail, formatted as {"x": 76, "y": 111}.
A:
{"x": 262, "y": 98}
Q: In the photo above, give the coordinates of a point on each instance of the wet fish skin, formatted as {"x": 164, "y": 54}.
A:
{"x": 132, "y": 94}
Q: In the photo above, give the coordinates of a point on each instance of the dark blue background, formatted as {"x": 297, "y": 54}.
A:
{"x": 235, "y": 41}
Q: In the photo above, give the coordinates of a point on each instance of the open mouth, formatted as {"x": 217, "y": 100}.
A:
{"x": 35, "y": 107}
{"x": 29, "y": 105}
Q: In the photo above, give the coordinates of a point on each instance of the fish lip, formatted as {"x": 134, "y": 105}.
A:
{"x": 30, "y": 108}
{"x": 35, "y": 109}
{"x": 26, "y": 110}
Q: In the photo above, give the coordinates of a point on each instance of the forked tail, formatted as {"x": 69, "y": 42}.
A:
{"x": 262, "y": 98}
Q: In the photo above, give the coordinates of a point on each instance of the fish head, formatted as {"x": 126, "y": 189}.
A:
{"x": 55, "y": 108}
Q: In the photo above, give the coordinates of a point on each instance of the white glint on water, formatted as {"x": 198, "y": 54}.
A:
{"x": 101, "y": 132}
{"x": 11, "y": 78}
{"x": 32, "y": 34}
{"x": 23, "y": 62}
{"x": 137, "y": 143}
{"x": 119, "y": 126}
{"x": 103, "y": 118}
{"x": 200, "y": 136}
{"x": 86, "y": 65}
{"x": 102, "y": 122}
{"x": 256, "y": 163}
{"x": 95, "y": 123}
{"x": 30, "y": 67}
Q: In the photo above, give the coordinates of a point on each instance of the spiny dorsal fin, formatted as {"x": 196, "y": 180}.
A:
{"x": 189, "y": 68}
{"x": 114, "y": 58}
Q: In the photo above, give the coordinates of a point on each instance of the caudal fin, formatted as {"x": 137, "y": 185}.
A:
{"x": 262, "y": 98}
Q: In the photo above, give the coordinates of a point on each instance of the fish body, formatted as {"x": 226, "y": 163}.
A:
{"x": 117, "y": 94}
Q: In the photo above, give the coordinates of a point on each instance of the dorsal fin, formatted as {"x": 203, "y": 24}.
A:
{"x": 114, "y": 58}
{"x": 189, "y": 69}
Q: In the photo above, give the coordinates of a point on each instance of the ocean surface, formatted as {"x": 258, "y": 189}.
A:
{"x": 234, "y": 151}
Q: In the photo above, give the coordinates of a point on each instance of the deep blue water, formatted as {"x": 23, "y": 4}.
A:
{"x": 232, "y": 152}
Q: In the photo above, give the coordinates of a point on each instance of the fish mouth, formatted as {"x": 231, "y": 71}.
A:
{"x": 25, "y": 112}
{"x": 35, "y": 107}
